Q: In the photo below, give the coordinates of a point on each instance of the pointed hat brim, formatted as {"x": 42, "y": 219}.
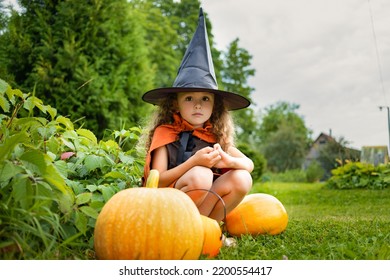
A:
{"x": 231, "y": 100}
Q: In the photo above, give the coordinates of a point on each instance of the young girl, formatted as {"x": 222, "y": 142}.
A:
{"x": 214, "y": 163}
{"x": 191, "y": 138}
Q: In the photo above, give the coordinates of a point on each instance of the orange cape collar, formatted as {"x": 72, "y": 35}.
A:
{"x": 168, "y": 133}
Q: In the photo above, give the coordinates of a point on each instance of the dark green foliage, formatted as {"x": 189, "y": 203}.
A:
{"x": 86, "y": 58}
{"x": 257, "y": 158}
{"x": 236, "y": 71}
{"x": 285, "y": 149}
{"x": 284, "y": 137}
{"x": 94, "y": 60}
{"x": 357, "y": 175}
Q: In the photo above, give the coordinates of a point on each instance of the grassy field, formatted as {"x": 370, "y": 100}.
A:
{"x": 324, "y": 224}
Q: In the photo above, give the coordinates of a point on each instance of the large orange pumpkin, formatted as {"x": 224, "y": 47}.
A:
{"x": 258, "y": 213}
{"x": 212, "y": 237}
{"x": 149, "y": 223}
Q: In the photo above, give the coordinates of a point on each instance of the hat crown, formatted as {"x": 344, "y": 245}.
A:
{"x": 197, "y": 68}
{"x": 196, "y": 73}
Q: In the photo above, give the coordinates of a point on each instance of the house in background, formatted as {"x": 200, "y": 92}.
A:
{"x": 322, "y": 140}
{"x": 314, "y": 151}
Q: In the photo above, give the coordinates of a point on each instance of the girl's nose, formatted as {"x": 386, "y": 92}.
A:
{"x": 198, "y": 103}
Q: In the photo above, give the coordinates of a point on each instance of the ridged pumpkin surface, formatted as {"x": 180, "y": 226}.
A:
{"x": 212, "y": 237}
{"x": 257, "y": 214}
{"x": 149, "y": 223}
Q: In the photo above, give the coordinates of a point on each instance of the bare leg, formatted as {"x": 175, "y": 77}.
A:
{"x": 232, "y": 187}
{"x": 197, "y": 178}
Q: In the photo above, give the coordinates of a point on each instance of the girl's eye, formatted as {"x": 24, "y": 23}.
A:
{"x": 188, "y": 98}
{"x": 205, "y": 98}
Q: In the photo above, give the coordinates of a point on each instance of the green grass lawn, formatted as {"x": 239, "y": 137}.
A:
{"x": 324, "y": 224}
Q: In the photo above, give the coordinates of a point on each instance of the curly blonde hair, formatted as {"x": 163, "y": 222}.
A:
{"x": 221, "y": 119}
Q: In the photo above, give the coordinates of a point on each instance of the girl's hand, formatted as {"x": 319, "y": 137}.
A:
{"x": 207, "y": 157}
{"x": 226, "y": 159}
{"x": 233, "y": 159}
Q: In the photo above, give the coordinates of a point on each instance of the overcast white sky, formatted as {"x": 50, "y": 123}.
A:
{"x": 319, "y": 54}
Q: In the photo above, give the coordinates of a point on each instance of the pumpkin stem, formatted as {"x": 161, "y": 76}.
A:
{"x": 152, "y": 181}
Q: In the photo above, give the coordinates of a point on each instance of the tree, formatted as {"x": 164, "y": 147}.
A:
{"x": 94, "y": 60}
{"x": 235, "y": 72}
{"x": 284, "y": 137}
{"x": 4, "y": 15}
{"x": 88, "y": 59}
{"x": 285, "y": 149}
{"x": 280, "y": 114}
{"x": 161, "y": 39}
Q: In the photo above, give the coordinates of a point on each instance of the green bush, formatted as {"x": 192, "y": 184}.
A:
{"x": 258, "y": 159}
{"x": 314, "y": 172}
{"x": 355, "y": 175}
{"x": 55, "y": 178}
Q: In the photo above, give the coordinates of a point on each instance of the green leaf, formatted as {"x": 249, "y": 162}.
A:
{"x": 44, "y": 190}
{"x": 107, "y": 192}
{"x": 62, "y": 168}
{"x": 68, "y": 144}
{"x": 36, "y": 158}
{"x": 87, "y": 134}
{"x": 66, "y": 201}
{"x": 11, "y": 142}
{"x": 91, "y": 188}
{"x": 66, "y": 122}
{"x": 127, "y": 159}
{"x": 51, "y": 175}
{"x": 4, "y": 104}
{"x": 15, "y": 92}
{"x": 109, "y": 145}
{"x": 83, "y": 198}
{"x": 97, "y": 205}
{"x": 29, "y": 104}
{"x": 22, "y": 191}
{"x": 81, "y": 221}
{"x": 8, "y": 170}
{"x": 89, "y": 211}
{"x": 46, "y": 131}
{"x": 38, "y": 103}
{"x": 93, "y": 162}
{"x": 3, "y": 86}
{"x": 52, "y": 111}
{"x": 115, "y": 175}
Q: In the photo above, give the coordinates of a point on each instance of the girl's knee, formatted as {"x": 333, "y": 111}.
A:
{"x": 197, "y": 183}
{"x": 241, "y": 181}
{"x": 201, "y": 177}
{"x": 198, "y": 177}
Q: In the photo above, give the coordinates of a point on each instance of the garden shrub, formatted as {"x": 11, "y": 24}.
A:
{"x": 355, "y": 175}
{"x": 314, "y": 172}
{"x": 55, "y": 177}
{"x": 258, "y": 159}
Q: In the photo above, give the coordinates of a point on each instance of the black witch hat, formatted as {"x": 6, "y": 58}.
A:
{"x": 196, "y": 73}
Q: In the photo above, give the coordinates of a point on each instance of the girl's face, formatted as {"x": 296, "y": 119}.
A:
{"x": 195, "y": 107}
